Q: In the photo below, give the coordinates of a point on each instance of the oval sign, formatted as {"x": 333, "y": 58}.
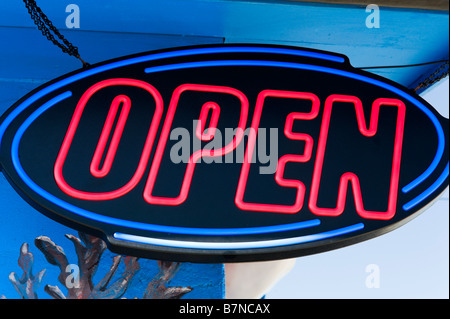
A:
{"x": 226, "y": 153}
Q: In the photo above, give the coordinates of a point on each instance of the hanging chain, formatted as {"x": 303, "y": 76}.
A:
{"x": 435, "y": 76}
{"x": 47, "y": 27}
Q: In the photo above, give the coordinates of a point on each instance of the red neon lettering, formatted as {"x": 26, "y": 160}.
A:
{"x": 199, "y": 131}
{"x": 207, "y": 134}
{"x": 350, "y": 177}
{"x": 94, "y": 168}
{"x": 297, "y": 206}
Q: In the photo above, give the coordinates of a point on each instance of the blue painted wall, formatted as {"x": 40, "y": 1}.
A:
{"x": 405, "y": 36}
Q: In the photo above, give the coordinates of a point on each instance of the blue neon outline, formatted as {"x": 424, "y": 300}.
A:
{"x": 428, "y": 192}
{"x": 163, "y": 55}
{"x": 119, "y": 222}
{"x": 239, "y": 245}
{"x": 171, "y": 54}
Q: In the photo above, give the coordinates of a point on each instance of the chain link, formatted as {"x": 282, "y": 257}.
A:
{"x": 437, "y": 75}
{"x": 47, "y": 27}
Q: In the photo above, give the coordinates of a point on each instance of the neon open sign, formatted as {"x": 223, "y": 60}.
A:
{"x": 226, "y": 153}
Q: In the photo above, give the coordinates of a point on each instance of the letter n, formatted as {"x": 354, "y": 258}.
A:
{"x": 350, "y": 176}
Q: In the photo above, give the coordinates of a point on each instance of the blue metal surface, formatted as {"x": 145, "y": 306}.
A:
{"x": 114, "y": 29}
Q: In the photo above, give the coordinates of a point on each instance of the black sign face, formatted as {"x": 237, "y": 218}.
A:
{"x": 226, "y": 153}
